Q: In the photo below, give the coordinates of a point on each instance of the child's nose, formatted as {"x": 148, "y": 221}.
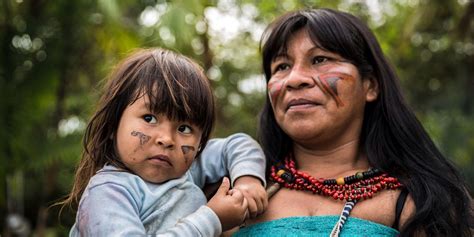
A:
{"x": 164, "y": 140}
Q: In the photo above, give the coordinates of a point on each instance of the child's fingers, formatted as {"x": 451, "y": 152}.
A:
{"x": 237, "y": 194}
{"x": 265, "y": 201}
{"x": 252, "y": 207}
{"x": 245, "y": 203}
{"x": 262, "y": 202}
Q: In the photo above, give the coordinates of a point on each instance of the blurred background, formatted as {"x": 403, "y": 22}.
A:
{"x": 54, "y": 55}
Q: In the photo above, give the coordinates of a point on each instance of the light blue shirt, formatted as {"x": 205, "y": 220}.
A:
{"x": 118, "y": 203}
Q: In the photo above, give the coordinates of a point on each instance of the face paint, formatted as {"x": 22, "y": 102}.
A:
{"x": 328, "y": 84}
{"x": 274, "y": 89}
{"x": 143, "y": 138}
{"x": 186, "y": 149}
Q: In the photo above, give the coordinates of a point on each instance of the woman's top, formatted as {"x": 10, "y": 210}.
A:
{"x": 119, "y": 203}
{"x": 315, "y": 226}
{"x": 328, "y": 225}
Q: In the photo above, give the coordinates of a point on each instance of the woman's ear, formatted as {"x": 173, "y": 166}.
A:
{"x": 371, "y": 87}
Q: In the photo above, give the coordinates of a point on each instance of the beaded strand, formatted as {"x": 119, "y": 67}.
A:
{"x": 361, "y": 185}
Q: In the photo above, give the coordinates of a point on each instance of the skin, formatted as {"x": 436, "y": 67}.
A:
{"x": 143, "y": 138}
{"x": 156, "y": 156}
{"x": 318, "y": 99}
{"x": 166, "y": 152}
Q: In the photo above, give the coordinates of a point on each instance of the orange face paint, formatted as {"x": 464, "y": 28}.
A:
{"x": 328, "y": 84}
{"x": 274, "y": 90}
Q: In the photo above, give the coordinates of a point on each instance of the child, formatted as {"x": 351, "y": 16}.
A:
{"x": 137, "y": 174}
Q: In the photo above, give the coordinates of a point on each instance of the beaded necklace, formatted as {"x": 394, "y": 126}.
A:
{"x": 353, "y": 188}
{"x": 361, "y": 185}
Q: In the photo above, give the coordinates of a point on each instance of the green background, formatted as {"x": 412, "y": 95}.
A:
{"x": 54, "y": 56}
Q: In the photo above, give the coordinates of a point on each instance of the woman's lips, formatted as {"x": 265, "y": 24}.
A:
{"x": 160, "y": 159}
{"x": 300, "y": 103}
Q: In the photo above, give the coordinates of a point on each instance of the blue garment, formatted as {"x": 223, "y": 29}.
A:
{"x": 119, "y": 203}
{"x": 315, "y": 226}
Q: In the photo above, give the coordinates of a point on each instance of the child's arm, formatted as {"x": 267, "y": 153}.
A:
{"x": 113, "y": 209}
{"x": 240, "y": 156}
{"x": 255, "y": 194}
{"x": 107, "y": 210}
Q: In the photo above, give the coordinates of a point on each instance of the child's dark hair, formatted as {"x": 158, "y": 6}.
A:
{"x": 176, "y": 87}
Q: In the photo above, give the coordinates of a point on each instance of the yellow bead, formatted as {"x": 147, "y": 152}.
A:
{"x": 340, "y": 181}
{"x": 280, "y": 172}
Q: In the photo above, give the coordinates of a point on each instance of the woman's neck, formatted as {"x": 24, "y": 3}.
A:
{"x": 342, "y": 160}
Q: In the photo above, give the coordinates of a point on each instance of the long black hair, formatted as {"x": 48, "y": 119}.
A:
{"x": 392, "y": 137}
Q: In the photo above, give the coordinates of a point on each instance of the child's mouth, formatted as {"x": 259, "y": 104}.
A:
{"x": 160, "y": 160}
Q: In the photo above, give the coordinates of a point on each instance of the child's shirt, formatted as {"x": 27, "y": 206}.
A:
{"x": 118, "y": 203}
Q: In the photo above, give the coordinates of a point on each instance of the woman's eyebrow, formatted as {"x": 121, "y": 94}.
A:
{"x": 284, "y": 55}
{"x": 280, "y": 56}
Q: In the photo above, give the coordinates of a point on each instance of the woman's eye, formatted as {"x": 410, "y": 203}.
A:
{"x": 149, "y": 118}
{"x": 320, "y": 59}
{"x": 281, "y": 67}
{"x": 185, "y": 129}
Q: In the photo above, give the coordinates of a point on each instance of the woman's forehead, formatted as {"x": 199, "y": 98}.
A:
{"x": 299, "y": 38}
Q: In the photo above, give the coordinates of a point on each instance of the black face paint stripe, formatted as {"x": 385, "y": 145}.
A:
{"x": 186, "y": 149}
{"x": 143, "y": 137}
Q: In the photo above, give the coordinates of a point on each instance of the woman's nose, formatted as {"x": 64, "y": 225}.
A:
{"x": 299, "y": 78}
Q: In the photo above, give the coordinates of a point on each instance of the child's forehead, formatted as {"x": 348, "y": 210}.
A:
{"x": 143, "y": 103}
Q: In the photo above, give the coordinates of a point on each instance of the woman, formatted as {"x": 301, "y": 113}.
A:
{"x": 338, "y": 134}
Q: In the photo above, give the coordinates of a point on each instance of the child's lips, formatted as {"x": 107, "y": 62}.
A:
{"x": 160, "y": 159}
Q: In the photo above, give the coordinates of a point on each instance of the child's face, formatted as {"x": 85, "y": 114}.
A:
{"x": 152, "y": 146}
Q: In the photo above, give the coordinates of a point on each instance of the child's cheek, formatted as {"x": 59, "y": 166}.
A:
{"x": 188, "y": 153}
{"x": 143, "y": 139}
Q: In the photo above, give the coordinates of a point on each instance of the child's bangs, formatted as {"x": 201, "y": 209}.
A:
{"x": 177, "y": 90}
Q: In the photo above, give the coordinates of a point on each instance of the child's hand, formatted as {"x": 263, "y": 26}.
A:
{"x": 230, "y": 206}
{"x": 253, "y": 190}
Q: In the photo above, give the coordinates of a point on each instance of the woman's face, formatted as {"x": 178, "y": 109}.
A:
{"x": 317, "y": 96}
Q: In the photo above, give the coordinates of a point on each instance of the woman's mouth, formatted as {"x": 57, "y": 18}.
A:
{"x": 300, "y": 103}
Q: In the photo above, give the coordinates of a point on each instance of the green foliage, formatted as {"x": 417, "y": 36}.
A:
{"x": 55, "y": 55}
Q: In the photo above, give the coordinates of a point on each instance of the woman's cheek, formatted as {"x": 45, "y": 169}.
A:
{"x": 274, "y": 90}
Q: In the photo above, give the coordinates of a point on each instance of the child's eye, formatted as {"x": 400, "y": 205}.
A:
{"x": 320, "y": 59}
{"x": 186, "y": 129}
{"x": 149, "y": 118}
